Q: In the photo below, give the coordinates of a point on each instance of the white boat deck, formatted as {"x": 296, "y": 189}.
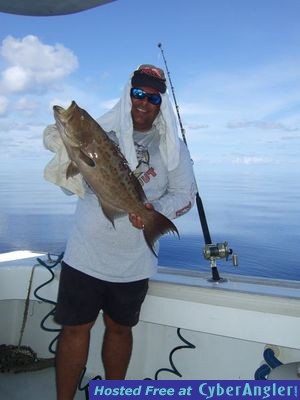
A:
{"x": 229, "y": 324}
{"x": 31, "y": 386}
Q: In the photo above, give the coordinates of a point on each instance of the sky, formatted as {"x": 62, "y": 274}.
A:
{"x": 234, "y": 66}
{"x": 235, "y": 69}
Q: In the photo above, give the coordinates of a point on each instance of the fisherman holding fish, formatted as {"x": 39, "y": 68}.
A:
{"x": 132, "y": 175}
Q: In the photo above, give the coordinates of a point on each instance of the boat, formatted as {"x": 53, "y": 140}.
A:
{"x": 191, "y": 328}
{"x": 49, "y": 7}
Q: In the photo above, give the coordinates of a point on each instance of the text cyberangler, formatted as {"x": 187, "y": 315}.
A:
{"x": 247, "y": 390}
{"x": 200, "y": 390}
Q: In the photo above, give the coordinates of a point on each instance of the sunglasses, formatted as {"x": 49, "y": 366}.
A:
{"x": 140, "y": 94}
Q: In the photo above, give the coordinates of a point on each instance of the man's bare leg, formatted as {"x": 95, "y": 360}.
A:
{"x": 71, "y": 358}
{"x": 116, "y": 350}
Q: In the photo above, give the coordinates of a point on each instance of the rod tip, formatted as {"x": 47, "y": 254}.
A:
{"x": 159, "y": 45}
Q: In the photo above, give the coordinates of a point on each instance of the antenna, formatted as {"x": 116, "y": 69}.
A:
{"x": 212, "y": 251}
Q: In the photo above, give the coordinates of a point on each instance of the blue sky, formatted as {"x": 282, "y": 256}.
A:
{"x": 234, "y": 65}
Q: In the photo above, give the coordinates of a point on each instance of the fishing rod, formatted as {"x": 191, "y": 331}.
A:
{"x": 212, "y": 251}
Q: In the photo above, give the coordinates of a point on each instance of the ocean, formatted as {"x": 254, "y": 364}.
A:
{"x": 254, "y": 208}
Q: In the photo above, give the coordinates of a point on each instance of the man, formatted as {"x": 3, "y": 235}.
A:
{"x": 107, "y": 268}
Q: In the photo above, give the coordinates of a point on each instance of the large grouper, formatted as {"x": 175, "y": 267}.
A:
{"x": 100, "y": 162}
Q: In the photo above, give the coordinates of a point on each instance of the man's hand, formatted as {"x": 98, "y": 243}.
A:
{"x": 137, "y": 221}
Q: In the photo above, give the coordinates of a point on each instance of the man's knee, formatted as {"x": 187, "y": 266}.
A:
{"x": 77, "y": 330}
{"x": 114, "y": 327}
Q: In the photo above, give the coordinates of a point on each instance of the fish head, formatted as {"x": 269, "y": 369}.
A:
{"x": 73, "y": 125}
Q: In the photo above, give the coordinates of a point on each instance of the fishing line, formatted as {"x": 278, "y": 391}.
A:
{"x": 212, "y": 251}
{"x": 206, "y": 233}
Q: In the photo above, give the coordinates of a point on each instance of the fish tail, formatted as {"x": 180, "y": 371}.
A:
{"x": 157, "y": 225}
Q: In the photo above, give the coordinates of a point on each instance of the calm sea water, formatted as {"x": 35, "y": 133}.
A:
{"x": 255, "y": 209}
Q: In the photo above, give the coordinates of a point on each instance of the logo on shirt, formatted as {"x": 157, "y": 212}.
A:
{"x": 143, "y": 171}
{"x": 142, "y": 154}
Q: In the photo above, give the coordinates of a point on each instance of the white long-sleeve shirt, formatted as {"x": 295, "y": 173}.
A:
{"x": 121, "y": 254}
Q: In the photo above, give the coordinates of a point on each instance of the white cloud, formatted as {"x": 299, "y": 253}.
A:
{"x": 265, "y": 125}
{"x": 232, "y": 159}
{"x": 267, "y": 92}
{"x": 33, "y": 64}
{"x": 250, "y": 160}
{"x": 288, "y": 138}
{"x": 3, "y": 105}
{"x": 26, "y": 107}
{"x": 202, "y": 108}
{"x": 15, "y": 79}
{"x": 25, "y": 104}
{"x": 197, "y": 126}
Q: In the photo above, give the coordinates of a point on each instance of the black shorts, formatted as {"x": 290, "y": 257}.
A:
{"x": 81, "y": 297}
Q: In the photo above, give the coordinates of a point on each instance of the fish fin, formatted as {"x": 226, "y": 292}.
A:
{"x": 111, "y": 212}
{"x": 156, "y": 225}
{"x": 72, "y": 170}
{"x": 86, "y": 159}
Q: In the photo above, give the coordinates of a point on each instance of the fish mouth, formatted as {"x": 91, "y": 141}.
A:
{"x": 59, "y": 112}
{"x": 62, "y": 117}
{"x": 63, "y": 113}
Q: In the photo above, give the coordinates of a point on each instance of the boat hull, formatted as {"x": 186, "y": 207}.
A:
{"x": 188, "y": 330}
